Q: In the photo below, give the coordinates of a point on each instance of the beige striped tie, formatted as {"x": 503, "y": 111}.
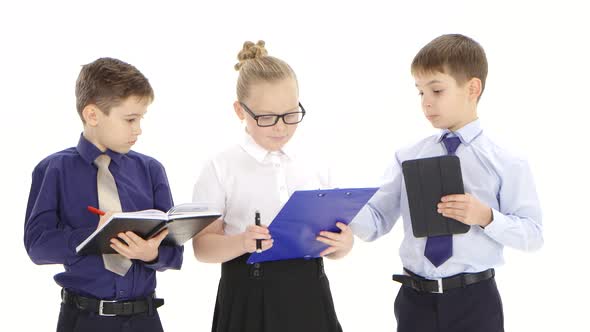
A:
{"x": 108, "y": 200}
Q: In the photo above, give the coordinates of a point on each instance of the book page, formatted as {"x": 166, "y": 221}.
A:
{"x": 144, "y": 214}
{"x": 187, "y": 208}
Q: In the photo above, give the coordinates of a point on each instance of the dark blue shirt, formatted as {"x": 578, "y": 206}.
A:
{"x": 57, "y": 219}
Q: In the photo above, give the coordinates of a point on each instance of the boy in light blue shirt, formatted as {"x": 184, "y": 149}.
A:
{"x": 448, "y": 281}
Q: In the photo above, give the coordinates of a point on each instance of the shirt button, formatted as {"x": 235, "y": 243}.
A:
{"x": 121, "y": 293}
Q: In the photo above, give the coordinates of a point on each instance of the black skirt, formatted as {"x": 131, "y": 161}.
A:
{"x": 281, "y": 296}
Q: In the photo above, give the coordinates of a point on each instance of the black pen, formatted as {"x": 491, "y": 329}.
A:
{"x": 258, "y": 242}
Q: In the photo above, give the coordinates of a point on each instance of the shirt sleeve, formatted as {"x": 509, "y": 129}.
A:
{"x": 382, "y": 211}
{"x": 517, "y": 223}
{"x": 169, "y": 257}
{"x": 209, "y": 190}
{"x": 47, "y": 239}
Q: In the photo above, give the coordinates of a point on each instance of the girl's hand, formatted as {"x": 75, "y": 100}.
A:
{"x": 253, "y": 233}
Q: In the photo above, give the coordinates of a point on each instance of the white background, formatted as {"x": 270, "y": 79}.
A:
{"x": 353, "y": 62}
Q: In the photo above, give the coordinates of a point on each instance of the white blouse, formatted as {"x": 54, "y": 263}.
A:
{"x": 247, "y": 178}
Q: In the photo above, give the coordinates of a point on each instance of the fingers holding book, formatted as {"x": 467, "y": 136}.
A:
{"x": 134, "y": 247}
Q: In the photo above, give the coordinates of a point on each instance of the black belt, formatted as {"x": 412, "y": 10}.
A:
{"x": 238, "y": 269}
{"x": 112, "y": 308}
{"x": 420, "y": 284}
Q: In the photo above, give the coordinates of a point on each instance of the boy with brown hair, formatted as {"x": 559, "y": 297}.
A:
{"x": 448, "y": 281}
{"x": 113, "y": 292}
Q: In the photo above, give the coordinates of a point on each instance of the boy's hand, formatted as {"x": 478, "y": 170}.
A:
{"x": 466, "y": 209}
{"x": 253, "y": 233}
{"x": 340, "y": 243}
{"x": 138, "y": 248}
{"x": 104, "y": 218}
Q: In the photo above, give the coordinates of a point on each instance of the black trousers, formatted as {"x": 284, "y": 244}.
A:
{"x": 475, "y": 308}
{"x": 72, "y": 319}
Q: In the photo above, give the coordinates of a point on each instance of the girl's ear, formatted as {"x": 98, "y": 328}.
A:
{"x": 475, "y": 88}
{"x": 90, "y": 115}
{"x": 239, "y": 110}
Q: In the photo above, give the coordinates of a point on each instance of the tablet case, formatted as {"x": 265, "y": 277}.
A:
{"x": 427, "y": 181}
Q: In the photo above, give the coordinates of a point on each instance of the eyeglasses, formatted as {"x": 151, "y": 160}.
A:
{"x": 269, "y": 120}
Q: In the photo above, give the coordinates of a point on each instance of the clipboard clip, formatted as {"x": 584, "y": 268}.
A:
{"x": 348, "y": 193}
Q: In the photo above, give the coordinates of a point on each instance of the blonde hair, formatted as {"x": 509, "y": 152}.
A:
{"x": 257, "y": 66}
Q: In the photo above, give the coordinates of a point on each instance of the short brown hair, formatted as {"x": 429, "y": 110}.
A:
{"x": 107, "y": 82}
{"x": 257, "y": 66}
{"x": 456, "y": 55}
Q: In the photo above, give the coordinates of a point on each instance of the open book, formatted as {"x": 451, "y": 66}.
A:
{"x": 182, "y": 221}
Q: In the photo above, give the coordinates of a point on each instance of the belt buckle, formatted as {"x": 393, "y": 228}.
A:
{"x": 101, "y": 308}
{"x": 439, "y": 284}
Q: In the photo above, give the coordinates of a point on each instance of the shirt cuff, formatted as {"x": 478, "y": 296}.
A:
{"x": 363, "y": 226}
{"x": 164, "y": 255}
{"x": 498, "y": 225}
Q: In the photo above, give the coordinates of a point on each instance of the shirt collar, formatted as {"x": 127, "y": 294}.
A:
{"x": 89, "y": 152}
{"x": 259, "y": 153}
{"x": 466, "y": 134}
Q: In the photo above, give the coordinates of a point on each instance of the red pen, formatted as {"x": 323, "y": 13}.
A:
{"x": 94, "y": 210}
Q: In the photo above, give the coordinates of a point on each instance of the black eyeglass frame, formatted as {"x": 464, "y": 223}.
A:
{"x": 276, "y": 116}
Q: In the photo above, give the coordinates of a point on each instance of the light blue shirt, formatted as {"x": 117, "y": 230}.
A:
{"x": 497, "y": 178}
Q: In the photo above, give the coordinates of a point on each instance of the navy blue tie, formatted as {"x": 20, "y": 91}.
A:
{"x": 440, "y": 248}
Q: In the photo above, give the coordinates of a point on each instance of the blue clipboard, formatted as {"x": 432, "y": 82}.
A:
{"x": 305, "y": 215}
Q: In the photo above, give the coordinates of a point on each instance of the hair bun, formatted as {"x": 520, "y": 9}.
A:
{"x": 251, "y": 51}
